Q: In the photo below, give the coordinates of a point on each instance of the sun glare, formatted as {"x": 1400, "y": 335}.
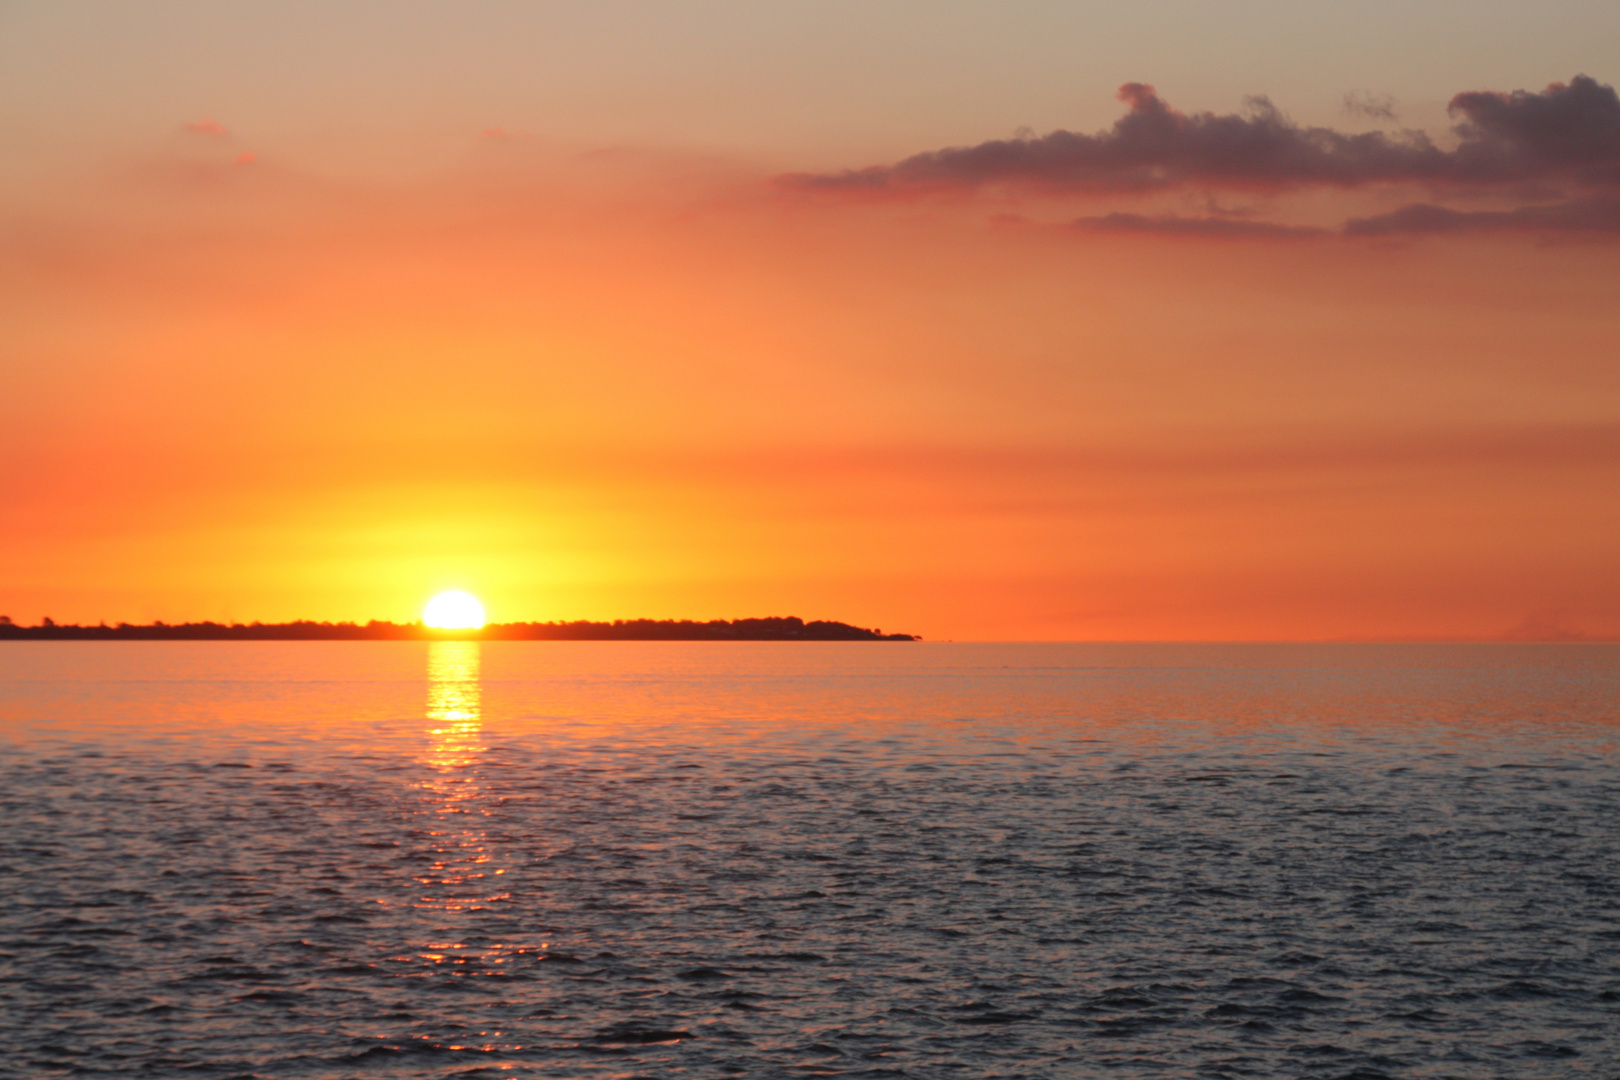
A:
{"x": 454, "y": 610}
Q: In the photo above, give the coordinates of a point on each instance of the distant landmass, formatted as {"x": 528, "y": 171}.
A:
{"x": 789, "y": 628}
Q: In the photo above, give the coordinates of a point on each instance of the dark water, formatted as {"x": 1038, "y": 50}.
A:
{"x": 701, "y": 860}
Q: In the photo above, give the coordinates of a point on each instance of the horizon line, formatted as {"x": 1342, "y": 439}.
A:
{"x": 751, "y": 628}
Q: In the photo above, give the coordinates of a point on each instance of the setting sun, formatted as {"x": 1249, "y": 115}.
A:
{"x": 454, "y": 610}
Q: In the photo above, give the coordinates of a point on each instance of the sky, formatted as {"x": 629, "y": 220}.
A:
{"x": 1172, "y": 320}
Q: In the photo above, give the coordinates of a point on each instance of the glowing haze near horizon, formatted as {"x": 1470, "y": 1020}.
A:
{"x": 717, "y": 310}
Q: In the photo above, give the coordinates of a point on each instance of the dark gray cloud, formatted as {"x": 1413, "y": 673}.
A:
{"x": 1372, "y": 106}
{"x": 1567, "y": 133}
{"x": 1564, "y": 131}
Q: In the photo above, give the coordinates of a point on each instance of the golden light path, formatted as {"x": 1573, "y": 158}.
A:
{"x": 461, "y": 876}
{"x": 454, "y": 610}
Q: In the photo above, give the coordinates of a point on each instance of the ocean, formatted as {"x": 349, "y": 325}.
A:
{"x": 932, "y": 860}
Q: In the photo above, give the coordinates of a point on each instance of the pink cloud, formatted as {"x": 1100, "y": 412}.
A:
{"x": 1211, "y": 227}
{"x": 207, "y": 126}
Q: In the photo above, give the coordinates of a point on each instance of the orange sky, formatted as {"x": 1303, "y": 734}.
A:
{"x": 250, "y": 381}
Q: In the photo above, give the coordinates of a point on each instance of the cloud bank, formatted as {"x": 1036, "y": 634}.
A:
{"x": 1595, "y": 215}
{"x": 1563, "y": 140}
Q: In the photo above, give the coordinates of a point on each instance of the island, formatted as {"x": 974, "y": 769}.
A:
{"x": 775, "y": 628}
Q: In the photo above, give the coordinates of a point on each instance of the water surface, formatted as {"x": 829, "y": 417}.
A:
{"x": 583, "y": 859}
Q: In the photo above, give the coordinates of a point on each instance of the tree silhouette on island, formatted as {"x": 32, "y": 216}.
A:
{"x": 788, "y": 628}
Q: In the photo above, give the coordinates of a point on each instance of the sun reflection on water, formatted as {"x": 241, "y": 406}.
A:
{"x": 463, "y": 871}
{"x": 455, "y": 703}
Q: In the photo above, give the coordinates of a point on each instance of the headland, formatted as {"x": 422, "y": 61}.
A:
{"x": 784, "y": 628}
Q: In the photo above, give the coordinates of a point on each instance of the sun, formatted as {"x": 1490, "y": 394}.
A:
{"x": 454, "y": 610}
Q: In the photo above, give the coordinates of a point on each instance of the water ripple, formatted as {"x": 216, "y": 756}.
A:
{"x": 492, "y": 901}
